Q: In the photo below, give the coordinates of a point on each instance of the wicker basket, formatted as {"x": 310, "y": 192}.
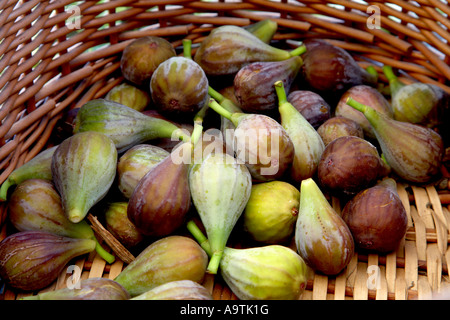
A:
{"x": 57, "y": 55}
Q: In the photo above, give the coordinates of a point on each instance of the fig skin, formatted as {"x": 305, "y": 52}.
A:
{"x": 142, "y": 56}
{"x": 176, "y": 290}
{"x": 337, "y": 127}
{"x": 350, "y": 164}
{"x": 271, "y": 211}
{"x": 120, "y": 226}
{"x": 377, "y": 218}
{"x": 130, "y": 96}
{"x": 32, "y": 260}
{"x": 311, "y": 105}
{"x": 89, "y": 289}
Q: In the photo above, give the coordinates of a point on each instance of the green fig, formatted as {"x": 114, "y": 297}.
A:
{"x": 271, "y": 211}
{"x": 179, "y": 88}
{"x": 308, "y": 144}
{"x": 263, "y": 29}
{"x": 412, "y": 151}
{"x": 38, "y": 167}
{"x": 83, "y": 170}
{"x": 117, "y": 222}
{"x": 135, "y": 163}
{"x": 86, "y": 289}
{"x": 322, "y": 237}
{"x": 272, "y": 272}
{"x": 176, "y": 290}
{"x": 161, "y": 199}
{"x": 36, "y": 205}
{"x": 220, "y": 188}
{"x": 260, "y": 142}
{"x": 228, "y": 48}
{"x": 253, "y": 83}
{"x": 130, "y": 96}
{"x": 32, "y": 260}
{"x": 126, "y": 127}
{"x": 142, "y": 56}
{"x": 168, "y": 259}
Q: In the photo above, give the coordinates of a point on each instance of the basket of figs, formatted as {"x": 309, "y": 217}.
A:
{"x": 224, "y": 150}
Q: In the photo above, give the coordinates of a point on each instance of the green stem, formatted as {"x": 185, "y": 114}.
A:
{"x": 187, "y": 51}
{"x": 389, "y": 73}
{"x": 298, "y": 51}
{"x": 214, "y": 262}
{"x": 371, "y": 70}
{"x": 219, "y": 109}
{"x": 4, "y": 189}
{"x": 356, "y": 105}
{"x": 281, "y": 93}
{"x": 108, "y": 257}
{"x": 223, "y": 101}
{"x": 199, "y": 236}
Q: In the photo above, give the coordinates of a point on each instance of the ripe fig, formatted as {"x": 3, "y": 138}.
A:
{"x": 86, "y": 289}
{"x": 330, "y": 70}
{"x": 39, "y": 167}
{"x": 271, "y": 272}
{"x": 308, "y": 145}
{"x": 311, "y": 105}
{"x": 412, "y": 151}
{"x": 83, "y": 169}
{"x": 135, "y": 163}
{"x": 168, "y": 259}
{"x": 179, "y": 88}
{"x": 322, "y": 238}
{"x": 263, "y": 29}
{"x": 220, "y": 188}
{"x": 142, "y": 56}
{"x": 228, "y": 48}
{"x": 260, "y": 142}
{"x": 366, "y": 95}
{"x": 337, "y": 127}
{"x": 126, "y": 127}
{"x": 350, "y": 164}
{"x": 271, "y": 211}
{"x": 176, "y": 290}
{"x": 120, "y": 226}
{"x": 32, "y": 260}
{"x": 161, "y": 199}
{"x": 376, "y": 217}
{"x": 130, "y": 96}
{"x": 253, "y": 83}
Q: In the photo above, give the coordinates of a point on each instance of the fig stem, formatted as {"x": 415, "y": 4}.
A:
{"x": 214, "y": 262}
{"x": 108, "y": 257}
{"x": 394, "y": 82}
{"x": 199, "y": 236}
{"x": 187, "y": 45}
{"x": 281, "y": 93}
{"x": 213, "y": 104}
{"x": 298, "y": 51}
{"x": 356, "y": 105}
{"x": 371, "y": 70}
{"x": 223, "y": 101}
{"x": 4, "y": 189}
{"x": 389, "y": 73}
{"x": 198, "y": 124}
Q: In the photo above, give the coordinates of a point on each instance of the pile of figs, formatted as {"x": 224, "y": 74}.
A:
{"x": 221, "y": 157}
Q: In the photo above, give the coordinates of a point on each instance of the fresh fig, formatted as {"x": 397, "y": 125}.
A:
{"x": 337, "y": 127}
{"x": 179, "y": 88}
{"x": 130, "y": 96}
{"x": 322, "y": 237}
{"x": 412, "y": 151}
{"x": 32, "y": 260}
{"x": 126, "y": 127}
{"x": 260, "y": 142}
{"x": 330, "y": 70}
{"x": 120, "y": 226}
{"x": 366, "y": 95}
{"x": 86, "y": 289}
{"x": 142, "y": 56}
{"x": 168, "y": 259}
{"x": 271, "y": 211}
{"x": 39, "y": 167}
{"x": 377, "y": 218}
{"x": 308, "y": 145}
{"x": 311, "y": 105}
{"x": 161, "y": 199}
{"x": 135, "y": 163}
{"x": 228, "y": 48}
{"x": 271, "y": 272}
{"x": 263, "y": 29}
{"x": 220, "y": 188}
{"x": 176, "y": 290}
{"x": 83, "y": 170}
{"x": 350, "y": 164}
{"x": 253, "y": 83}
